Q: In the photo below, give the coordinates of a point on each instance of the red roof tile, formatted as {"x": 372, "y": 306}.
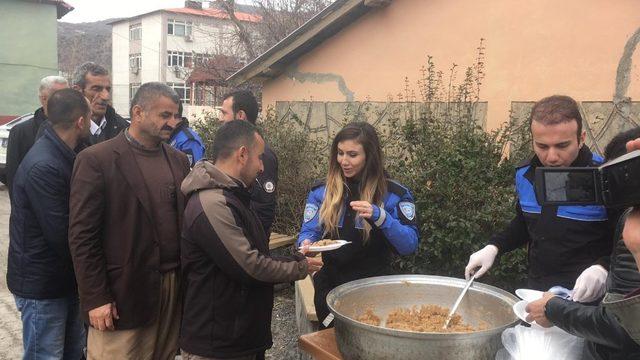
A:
{"x": 216, "y": 13}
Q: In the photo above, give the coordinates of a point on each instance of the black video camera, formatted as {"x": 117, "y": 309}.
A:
{"x": 614, "y": 184}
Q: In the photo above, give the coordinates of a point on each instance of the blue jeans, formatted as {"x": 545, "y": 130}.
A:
{"x": 51, "y": 328}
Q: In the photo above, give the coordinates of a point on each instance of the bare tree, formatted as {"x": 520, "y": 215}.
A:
{"x": 240, "y": 41}
{"x": 281, "y": 17}
{"x": 242, "y": 32}
{"x": 278, "y": 19}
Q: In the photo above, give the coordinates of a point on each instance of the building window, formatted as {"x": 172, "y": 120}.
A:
{"x": 135, "y": 61}
{"x": 179, "y": 28}
{"x": 183, "y": 90}
{"x": 135, "y": 32}
{"x": 179, "y": 58}
{"x": 133, "y": 89}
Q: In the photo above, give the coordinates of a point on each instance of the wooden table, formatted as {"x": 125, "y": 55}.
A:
{"x": 321, "y": 345}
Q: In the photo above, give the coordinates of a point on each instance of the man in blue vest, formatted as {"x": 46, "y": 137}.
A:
{"x": 567, "y": 245}
{"x": 185, "y": 138}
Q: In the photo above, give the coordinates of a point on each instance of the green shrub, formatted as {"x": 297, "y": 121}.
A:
{"x": 464, "y": 192}
{"x": 462, "y": 182}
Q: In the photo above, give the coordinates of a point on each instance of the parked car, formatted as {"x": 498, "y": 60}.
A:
{"x": 4, "y": 142}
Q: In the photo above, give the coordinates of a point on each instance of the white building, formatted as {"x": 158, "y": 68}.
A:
{"x": 165, "y": 45}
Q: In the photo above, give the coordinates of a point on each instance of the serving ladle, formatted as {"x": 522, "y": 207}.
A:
{"x": 458, "y": 300}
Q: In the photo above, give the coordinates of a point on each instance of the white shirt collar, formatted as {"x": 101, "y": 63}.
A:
{"x": 97, "y": 129}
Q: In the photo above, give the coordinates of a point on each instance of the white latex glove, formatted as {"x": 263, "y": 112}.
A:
{"x": 482, "y": 258}
{"x": 590, "y": 285}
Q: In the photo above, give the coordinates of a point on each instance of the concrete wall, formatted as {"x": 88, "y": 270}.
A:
{"x": 28, "y": 52}
{"x": 533, "y": 49}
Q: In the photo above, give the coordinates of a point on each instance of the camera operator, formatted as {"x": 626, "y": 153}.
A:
{"x": 607, "y": 328}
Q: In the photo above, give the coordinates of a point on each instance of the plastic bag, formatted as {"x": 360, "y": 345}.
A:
{"x": 538, "y": 343}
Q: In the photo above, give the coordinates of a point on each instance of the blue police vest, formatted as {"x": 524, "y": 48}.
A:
{"x": 529, "y": 203}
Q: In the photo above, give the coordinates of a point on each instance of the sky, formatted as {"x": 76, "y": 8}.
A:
{"x": 93, "y": 10}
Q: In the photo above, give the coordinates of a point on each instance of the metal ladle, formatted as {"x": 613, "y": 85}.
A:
{"x": 458, "y": 300}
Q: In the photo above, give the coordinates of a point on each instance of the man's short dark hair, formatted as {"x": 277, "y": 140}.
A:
{"x": 65, "y": 106}
{"x": 231, "y": 136}
{"x": 245, "y": 101}
{"x": 556, "y": 109}
{"x": 80, "y": 75}
{"x": 149, "y": 92}
{"x": 618, "y": 145}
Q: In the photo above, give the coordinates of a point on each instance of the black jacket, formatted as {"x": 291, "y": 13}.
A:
{"x": 21, "y": 139}
{"x": 606, "y": 338}
{"x": 227, "y": 271}
{"x": 559, "y": 246}
{"x": 115, "y": 124}
{"x": 39, "y": 261}
{"x": 623, "y": 275}
{"x": 263, "y": 192}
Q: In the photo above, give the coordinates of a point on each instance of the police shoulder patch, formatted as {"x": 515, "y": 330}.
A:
{"x": 310, "y": 212}
{"x": 408, "y": 209}
{"x": 269, "y": 186}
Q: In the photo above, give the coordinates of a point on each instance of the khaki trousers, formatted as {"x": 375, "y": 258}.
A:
{"x": 157, "y": 341}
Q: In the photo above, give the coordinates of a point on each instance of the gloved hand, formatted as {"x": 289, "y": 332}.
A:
{"x": 482, "y": 258}
{"x": 590, "y": 285}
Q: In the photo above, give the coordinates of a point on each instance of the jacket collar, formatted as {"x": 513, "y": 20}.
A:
{"x": 126, "y": 162}
{"x": 67, "y": 153}
{"x": 584, "y": 159}
{"x": 39, "y": 117}
{"x": 110, "y": 114}
{"x": 183, "y": 124}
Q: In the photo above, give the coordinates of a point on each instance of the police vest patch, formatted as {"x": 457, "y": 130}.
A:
{"x": 269, "y": 187}
{"x": 408, "y": 209}
{"x": 310, "y": 212}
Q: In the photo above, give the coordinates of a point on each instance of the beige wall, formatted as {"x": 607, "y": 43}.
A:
{"x": 534, "y": 48}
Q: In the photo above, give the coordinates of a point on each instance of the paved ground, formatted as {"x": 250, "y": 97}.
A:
{"x": 10, "y": 325}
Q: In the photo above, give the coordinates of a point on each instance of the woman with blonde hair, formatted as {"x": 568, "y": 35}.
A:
{"x": 357, "y": 203}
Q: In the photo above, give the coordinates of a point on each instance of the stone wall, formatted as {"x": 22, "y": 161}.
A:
{"x": 602, "y": 119}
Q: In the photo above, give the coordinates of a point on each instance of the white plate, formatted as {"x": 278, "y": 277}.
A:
{"x": 336, "y": 245}
{"x": 519, "y": 310}
{"x": 529, "y": 295}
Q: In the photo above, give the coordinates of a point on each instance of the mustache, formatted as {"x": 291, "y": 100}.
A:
{"x": 166, "y": 127}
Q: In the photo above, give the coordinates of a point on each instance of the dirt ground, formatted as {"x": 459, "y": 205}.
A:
{"x": 283, "y": 326}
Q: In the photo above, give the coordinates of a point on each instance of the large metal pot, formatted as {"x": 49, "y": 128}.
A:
{"x": 483, "y": 304}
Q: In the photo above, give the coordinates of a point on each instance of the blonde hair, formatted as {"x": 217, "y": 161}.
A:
{"x": 373, "y": 184}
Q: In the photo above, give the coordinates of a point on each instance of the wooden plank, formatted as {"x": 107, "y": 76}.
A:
{"x": 280, "y": 240}
{"x": 377, "y": 3}
{"x": 305, "y": 286}
{"x": 321, "y": 345}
